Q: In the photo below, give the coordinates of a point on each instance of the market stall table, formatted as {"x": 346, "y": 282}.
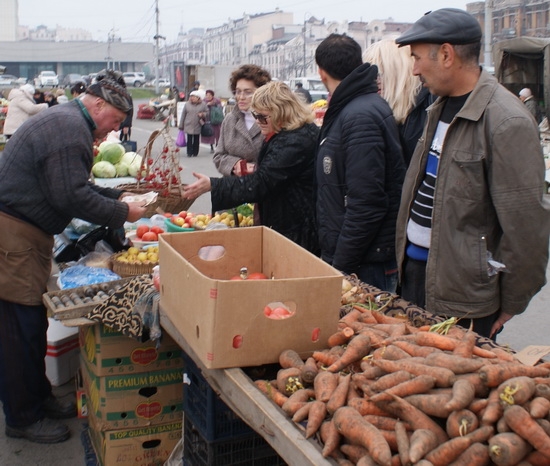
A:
{"x": 237, "y": 390}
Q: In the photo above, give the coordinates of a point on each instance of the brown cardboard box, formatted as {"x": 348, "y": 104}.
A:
{"x": 126, "y": 401}
{"x": 150, "y": 446}
{"x": 109, "y": 352}
{"x": 223, "y": 320}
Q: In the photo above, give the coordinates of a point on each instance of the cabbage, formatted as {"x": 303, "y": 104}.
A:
{"x": 97, "y": 158}
{"x": 130, "y": 157}
{"x": 121, "y": 169}
{"x": 111, "y": 152}
{"x": 134, "y": 167}
{"x": 104, "y": 169}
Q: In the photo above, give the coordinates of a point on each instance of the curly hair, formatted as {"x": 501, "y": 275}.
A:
{"x": 253, "y": 73}
{"x": 288, "y": 111}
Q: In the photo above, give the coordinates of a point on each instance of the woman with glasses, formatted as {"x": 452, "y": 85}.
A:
{"x": 240, "y": 138}
{"x": 282, "y": 183}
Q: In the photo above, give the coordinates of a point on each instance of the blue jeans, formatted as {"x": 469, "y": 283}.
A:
{"x": 382, "y": 275}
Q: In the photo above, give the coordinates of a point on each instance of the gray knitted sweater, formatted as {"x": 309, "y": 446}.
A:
{"x": 45, "y": 170}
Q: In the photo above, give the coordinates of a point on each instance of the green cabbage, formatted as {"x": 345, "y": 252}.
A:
{"x": 111, "y": 152}
{"x": 104, "y": 169}
{"x": 121, "y": 169}
{"x": 130, "y": 157}
{"x": 134, "y": 167}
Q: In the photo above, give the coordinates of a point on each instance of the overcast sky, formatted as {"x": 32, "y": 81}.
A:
{"x": 135, "y": 20}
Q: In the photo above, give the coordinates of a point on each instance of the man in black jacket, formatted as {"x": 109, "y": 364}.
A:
{"x": 360, "y": 167}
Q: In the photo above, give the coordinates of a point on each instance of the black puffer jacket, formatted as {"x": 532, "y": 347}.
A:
{"x": 282, "y": 186}
{"x": 360, "y": 171}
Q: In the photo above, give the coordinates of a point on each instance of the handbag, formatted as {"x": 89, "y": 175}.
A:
{"x": 206, "y": 130}
{"x": 216, "y": 115}
{"x": 180, "y": 140}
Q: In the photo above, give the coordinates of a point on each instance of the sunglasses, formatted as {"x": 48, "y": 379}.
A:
{"x": 261, "y": 118}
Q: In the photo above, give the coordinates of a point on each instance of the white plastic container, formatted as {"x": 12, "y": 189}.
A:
{"x": 62, "y": 355}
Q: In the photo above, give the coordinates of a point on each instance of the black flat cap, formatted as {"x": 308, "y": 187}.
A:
{"x": 447, "y": 25}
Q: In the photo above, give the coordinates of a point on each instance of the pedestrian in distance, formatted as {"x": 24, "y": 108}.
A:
{"x": 192, "y": 118}
{"x": 473, "y": 227}
{"x": 44, "y": 184}
{"x": 304, "y": 93}
{"x": 215, "y": 117}
{"x": 526, "y": 96}
{"x": 21, "y": 107}
{"x": 360, "y": 167}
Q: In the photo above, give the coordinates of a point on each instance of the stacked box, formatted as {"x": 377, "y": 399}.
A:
{"x": 213, "y": 434}
{"x": 134, "y": 396}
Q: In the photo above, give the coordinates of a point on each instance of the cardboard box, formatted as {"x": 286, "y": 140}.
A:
{"x": 147, "y": 446}
{"x": 223, "y": 320}
{"x": 109, "y": 352}
{"x": 62, "y": 352}
{"x": 132, "y": 400}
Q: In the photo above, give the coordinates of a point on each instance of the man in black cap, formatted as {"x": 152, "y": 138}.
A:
{"x": 472, "y": 230}
{"x": 44, "y": 184}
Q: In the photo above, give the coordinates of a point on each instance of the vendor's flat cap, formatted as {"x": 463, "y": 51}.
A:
{"x": 447, "y": 25}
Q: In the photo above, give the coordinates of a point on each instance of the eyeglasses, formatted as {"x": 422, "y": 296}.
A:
{"x": 247, "y": 93}
{"x": 261, "y": 118}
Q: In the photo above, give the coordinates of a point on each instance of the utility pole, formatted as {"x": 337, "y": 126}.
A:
{"x": 157, "y": 37}
{"x": 488, "y": 46}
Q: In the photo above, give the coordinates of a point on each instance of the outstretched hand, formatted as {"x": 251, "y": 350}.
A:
{"x": 201, "y": 186}
{"x": 499, "y": 323}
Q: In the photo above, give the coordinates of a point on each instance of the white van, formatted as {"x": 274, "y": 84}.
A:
{"x": 313, "y": 84}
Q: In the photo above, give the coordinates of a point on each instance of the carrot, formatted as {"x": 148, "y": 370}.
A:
{"x": 302, "y": 411}
{"x": 545, "y": 424}
{"x": 330, "y": 438}
{"x": 444, "y": 377}
{"x": 389, "y": 380}
{"x": 477, "y": 405}
{"x": 339, "y": 395}
{"x": 268, "y": 389}
{"x": 494, "y": 409}
{"x": 391, "y": 352}
{"x": 516, "y": 390}
{"x": 352, "y": 316}
{"x": 364, "y": 407}
{"x": 451, "y": 449}
{"x": 316, "y": 416}
{"x": 309, "y": 371}
{"x": 421, "y": 442}
{"x": 415, "y": 350}
{"x": 500, "y": 352}
{"x": 481, "y": 389}
{"x": 502, "y": 427}
{"x": 419, "y": 384}
{"x": 432, "y": 404}
{"x": 324, "y": 357}
{"x": 463, "y": 394}
{"x": 324, "y": 385}
{"x": 457, "y": 364}
{"x": 341, "y": 337}
{"x": 356, "y": 430}
{"x": 536, "y": 458}
{"x": 290, "y": 358}
{"x": 366, "y": 460}
{"x": 508, "y": 449}
{"x": 447, "y": 343}
{"x": 543, "y": 390}
{"x": 395, "y": 329}
{"x": 297, "y": 400}
{"x": 527, "y": 428}
{"x": 390, "y": 437}
{"x": 539, "y": 407}
{"x": 382, "y": 318}
{"x": 475, "y": 455}
{"x": 376, "y": 337}
{"x": 383, "y": 422}
{"x": 358, "y": 347}
{"x": 405, "y": 411}
{"x": 354, "y": 452}
{"x": 461, "y": 422}
{"x": 466, "y": 348}
{"x": 494, "y": 374}
{"x": 288, "y": 380}
{"x": 403, "y": 443}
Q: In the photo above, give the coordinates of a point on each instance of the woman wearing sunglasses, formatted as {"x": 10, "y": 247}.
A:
{"x": 282, "y": 184}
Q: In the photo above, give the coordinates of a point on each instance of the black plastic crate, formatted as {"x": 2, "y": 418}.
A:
{"x": 209, "y": 414}
{"x": 245, "y": 450}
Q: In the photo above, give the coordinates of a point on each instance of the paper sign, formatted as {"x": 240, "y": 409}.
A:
{"x": 532, "y": 354}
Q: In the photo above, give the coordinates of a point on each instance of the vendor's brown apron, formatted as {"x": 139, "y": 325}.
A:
{"x": 25, "y": 261}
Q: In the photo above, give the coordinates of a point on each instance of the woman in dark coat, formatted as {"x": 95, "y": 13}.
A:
{"x": 282, "y": 184}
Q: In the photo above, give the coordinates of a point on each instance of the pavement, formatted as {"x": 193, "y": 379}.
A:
{"x": 530, "y": 328}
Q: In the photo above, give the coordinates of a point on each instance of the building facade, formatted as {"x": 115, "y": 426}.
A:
{"x": 9, "y": 20}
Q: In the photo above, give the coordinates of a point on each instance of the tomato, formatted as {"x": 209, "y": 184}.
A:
{"x": 157, "y": 230}
{"x": 141, "y": 229}
{"x": 167, "y": 214}
{"x": 257, "y": 276}
{"x": 150, "y": 236}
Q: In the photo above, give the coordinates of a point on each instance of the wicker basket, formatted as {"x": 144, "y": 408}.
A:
{"x": 130, "y": 270}
{"x": 166, "y": 183}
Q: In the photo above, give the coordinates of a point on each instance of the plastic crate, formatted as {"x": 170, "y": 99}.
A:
{"x": 210, "y": 415}
{"x": 247, "y": 450}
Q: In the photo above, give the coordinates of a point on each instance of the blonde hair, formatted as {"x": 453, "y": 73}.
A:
{"x": 399, "y": 86}
{"x": 288, "y": 111}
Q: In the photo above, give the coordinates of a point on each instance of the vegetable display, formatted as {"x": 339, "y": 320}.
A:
{"x": 387, "y": 392}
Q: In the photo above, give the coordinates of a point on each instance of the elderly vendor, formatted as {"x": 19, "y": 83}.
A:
{"x": 44, "y": 183}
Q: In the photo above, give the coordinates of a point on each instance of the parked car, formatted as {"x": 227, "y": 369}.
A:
{"x": 163, "y": 82}
{"x": 134, "y": 79}
{"x": 10, "y": 80}
{"x": 46, "y": 78}
{"x": 71, "y": 79}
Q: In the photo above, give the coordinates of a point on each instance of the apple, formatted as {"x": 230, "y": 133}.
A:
{"x": 183, "y": 214}
{"x": 186, "y": 225}
{"x": 178, "y": 221}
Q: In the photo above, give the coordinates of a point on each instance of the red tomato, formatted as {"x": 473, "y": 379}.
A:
{"x": 141, "y": 229}
{"x": 157, "y": 230}
{"x": 257, "y": 276}
{"x": 167, "y": 214}
{"x": 150, "y": 236}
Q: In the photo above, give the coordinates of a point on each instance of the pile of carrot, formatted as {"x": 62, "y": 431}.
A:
{"x": 387, "y": 393}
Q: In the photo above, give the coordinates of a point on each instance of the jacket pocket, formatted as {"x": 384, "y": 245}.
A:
{"x": 466, "y": 176}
